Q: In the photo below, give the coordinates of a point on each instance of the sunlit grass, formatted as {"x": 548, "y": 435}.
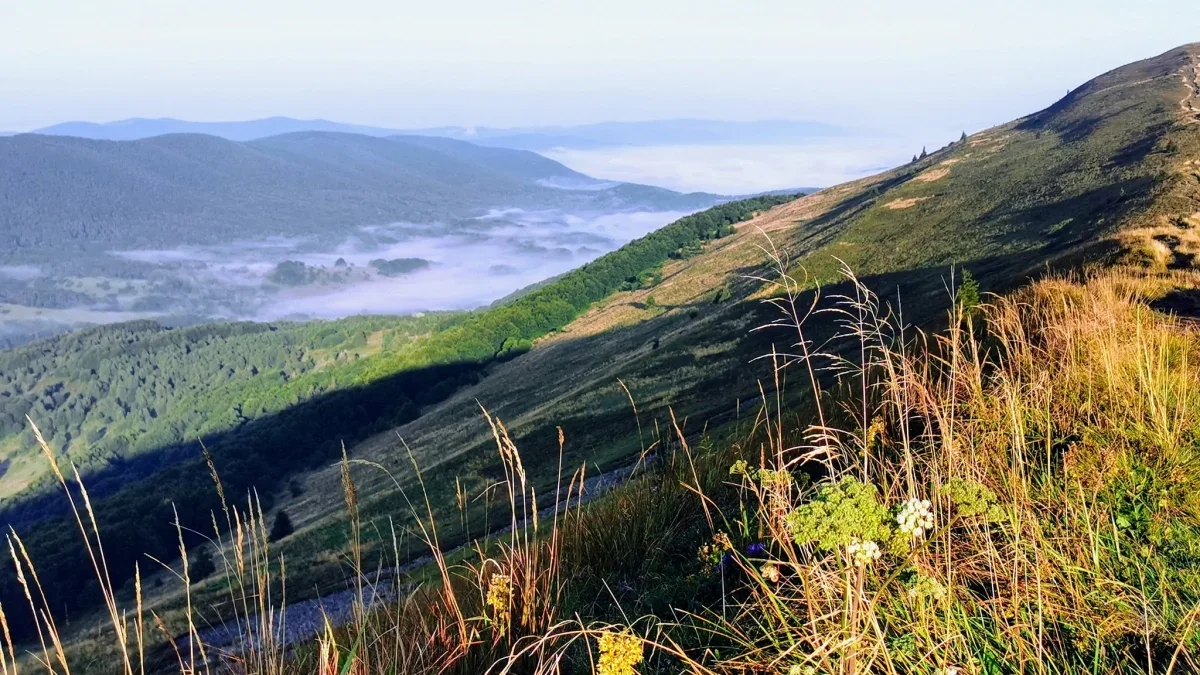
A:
{"x": 1015, "y": 493}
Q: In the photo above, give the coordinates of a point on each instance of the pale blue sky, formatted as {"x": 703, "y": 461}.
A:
{"x": 886, "y": 65}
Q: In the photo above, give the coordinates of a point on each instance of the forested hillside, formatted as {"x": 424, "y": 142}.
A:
{"x": 61, "y": 195}
{"x": 110, "y": 395}
{"x": 126, "y": 401}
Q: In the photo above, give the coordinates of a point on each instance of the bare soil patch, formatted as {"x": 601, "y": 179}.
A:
{"x": 906, "y": 203}
{"x": 932, "y": 175}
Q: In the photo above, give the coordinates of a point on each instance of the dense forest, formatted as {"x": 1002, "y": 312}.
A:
{"x": 266, "y": 400}
{"x": 106, "y": 396}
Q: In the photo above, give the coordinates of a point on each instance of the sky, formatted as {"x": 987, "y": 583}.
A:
{"x": 885, "y": 65}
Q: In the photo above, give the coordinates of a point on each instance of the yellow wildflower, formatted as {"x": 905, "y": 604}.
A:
{"x": 498, "y": 595}
{"x": 722, "y": 540}
{"x": 619, "y": 653}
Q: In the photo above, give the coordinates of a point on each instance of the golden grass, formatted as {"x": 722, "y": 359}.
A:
{"x": 1051, "y": 434}
{"x": 933, "y": 174}
{"x": 904, "y": 203}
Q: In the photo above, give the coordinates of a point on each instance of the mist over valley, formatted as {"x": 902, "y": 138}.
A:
{"x": 460, "y": 265}
{"x": 312, "y": 225}
{"x": 185, "y": 222}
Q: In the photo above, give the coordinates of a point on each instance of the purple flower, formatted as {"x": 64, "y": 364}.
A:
{"x": 756, "y": 549}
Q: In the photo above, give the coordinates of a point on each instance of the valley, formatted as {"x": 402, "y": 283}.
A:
{"x": 188, "y": 229}
{"x": 976, "y": 328}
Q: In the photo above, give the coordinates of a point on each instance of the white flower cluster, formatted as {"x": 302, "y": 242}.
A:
{"x": 915, "y": 517}
{"x": 863, "y": 552}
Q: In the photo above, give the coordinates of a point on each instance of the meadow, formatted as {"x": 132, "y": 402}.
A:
{"x": 1009, "y": 494}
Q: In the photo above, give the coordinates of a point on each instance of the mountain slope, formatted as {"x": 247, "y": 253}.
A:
{"x": 59, "y": 194}
{"x": 1093, "y": 178}
{"x": 1079, "y": 182}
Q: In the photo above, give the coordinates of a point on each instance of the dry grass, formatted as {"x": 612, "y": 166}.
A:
{"x": 933, "y": 174}
{"x": 904, "y": 203}
{"x": 1051, "y": 434}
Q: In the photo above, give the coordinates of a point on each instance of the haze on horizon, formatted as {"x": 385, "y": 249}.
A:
{"x": 936, "y": 66}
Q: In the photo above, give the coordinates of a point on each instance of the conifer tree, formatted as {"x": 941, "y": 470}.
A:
{"x": 201, "y": 566}
{"x": 282, "y": 526}
{"x": 967, "y": 294}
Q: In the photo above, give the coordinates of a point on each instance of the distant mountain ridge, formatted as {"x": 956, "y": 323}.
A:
{"x": 138, "y": 128}
{"x": 60, "y": 193}
{"x": 536, "y": 138}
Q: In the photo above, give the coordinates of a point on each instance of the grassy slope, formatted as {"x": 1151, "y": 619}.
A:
{"x": 1060, "y": 469}
{"x": 1113, "y": 156}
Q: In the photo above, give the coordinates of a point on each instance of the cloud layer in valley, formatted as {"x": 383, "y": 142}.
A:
{"x": 743, "y": 169}
{"x": 471, "y": 263}
{"x": 19, "y": 272}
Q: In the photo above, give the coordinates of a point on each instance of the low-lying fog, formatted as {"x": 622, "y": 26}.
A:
{"x": 410, "y": 267}
{"x": 390, "y": 269}
{"x": 396, "y": 268}
{"x": 747, "y": 169}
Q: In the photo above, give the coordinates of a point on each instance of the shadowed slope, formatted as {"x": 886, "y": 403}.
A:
{"x": 1063, "y": 187}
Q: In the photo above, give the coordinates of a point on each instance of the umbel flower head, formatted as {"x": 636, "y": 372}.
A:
{"x": 915, "y": 517}
{"x": 770, "y": 572}
{"x": 841, "y": 513}
{"x": 499, "y": 593}
{"x": 619, "y": 653}
{"x": 926, "y": 587}
{"x": 863, "y": 552}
